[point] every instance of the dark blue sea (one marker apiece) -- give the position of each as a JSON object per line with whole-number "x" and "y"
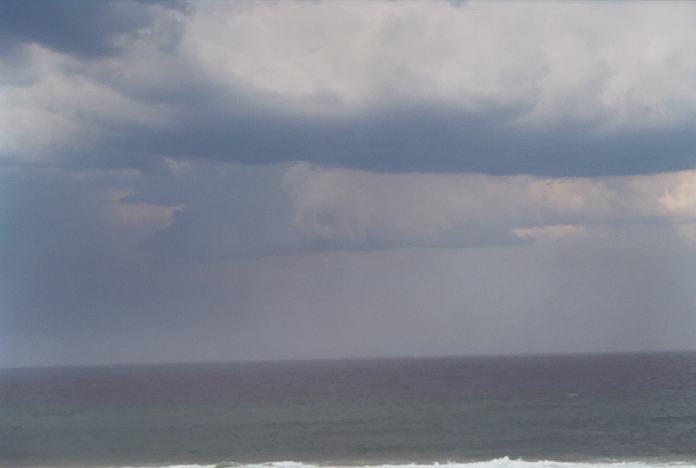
{"x": 636, "y": 410}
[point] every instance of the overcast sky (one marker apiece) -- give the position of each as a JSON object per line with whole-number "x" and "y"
{"x": 230, "y": 180}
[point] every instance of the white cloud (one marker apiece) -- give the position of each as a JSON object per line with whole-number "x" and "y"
{"x": 57, "y": 105}
{"x": 610, "y": 65}
{"x": 680, "y": 198}
{"x": 687, "y": 232}
{"x": 146, "y": 217}
{"x": 358, "y": 208}
{"x": 556, "y": 231}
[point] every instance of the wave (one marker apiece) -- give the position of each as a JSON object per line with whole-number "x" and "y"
{"x": 504, "y": 462}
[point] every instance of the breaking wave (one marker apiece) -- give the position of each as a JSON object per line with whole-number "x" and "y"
{"x": 504, "y": 462}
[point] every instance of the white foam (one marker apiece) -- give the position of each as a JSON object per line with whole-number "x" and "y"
{"x": 504, "y": 462}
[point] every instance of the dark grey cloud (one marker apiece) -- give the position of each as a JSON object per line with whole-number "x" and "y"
{"x": 229, "y": 212}
{"x": 631, "y": 290}
{"x": 390, "y": 139}
{"x": 58, "y": 254}
{"x": 438, "y": 140}
{"x": 85, "y": 277}
{"x": 80, "y": 27}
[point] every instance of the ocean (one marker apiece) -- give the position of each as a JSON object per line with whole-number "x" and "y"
{"x": 636, "y": 410}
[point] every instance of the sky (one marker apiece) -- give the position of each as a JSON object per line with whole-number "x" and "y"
{"x": 199, "y": 181}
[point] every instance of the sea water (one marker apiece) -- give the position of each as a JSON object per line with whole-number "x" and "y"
{"x": 637, "y": 410}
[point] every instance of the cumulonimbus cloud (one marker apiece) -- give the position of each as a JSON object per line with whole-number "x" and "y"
{"x": 564, "y": 89}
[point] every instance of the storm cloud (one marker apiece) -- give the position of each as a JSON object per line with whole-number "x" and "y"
{"x": 246, "y": 180}
{"x": 572, "y": 90}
